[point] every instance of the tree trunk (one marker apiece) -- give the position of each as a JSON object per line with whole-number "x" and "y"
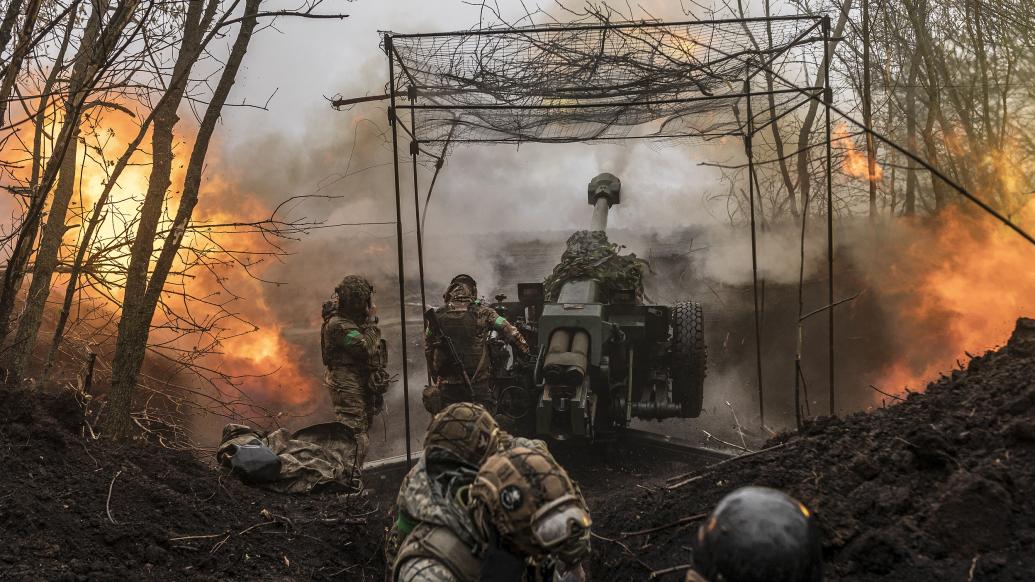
{"x": 14, "y": 272}
{"x": 911, "y": 167}
{"x": 785, "y": 171}
{"x": 97, "y": 44}
{"x": 173, "y": 95}
{"x": 10, "y": 18}
{"x": 871, "y": 145}
{"x": 46, "y": 261}
{"x": 135, "y": 324}
{"x": 27, "y": 231}
{"x": 18, "y": 54}
{"x": 805, "y": 133}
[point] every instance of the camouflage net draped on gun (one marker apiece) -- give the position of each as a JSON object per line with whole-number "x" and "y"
{"x": 590, "y": 255}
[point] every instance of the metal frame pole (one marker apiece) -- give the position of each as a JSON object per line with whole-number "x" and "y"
{"x": 414, "y": 150}
{"x": 748, "y": 136}
{"x": 393, "y": 120}
{"x": 828, "y": 97}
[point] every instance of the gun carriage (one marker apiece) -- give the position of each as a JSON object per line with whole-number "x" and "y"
{"x": 602, "y": 356}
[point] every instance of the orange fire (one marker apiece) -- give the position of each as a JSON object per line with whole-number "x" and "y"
{"x": 254, "y": 348}
{"x": 962, "y": 282}
{"x": 855, "y": 163}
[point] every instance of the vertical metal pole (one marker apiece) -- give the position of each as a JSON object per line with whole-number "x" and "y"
{"x": 414, "y": 150}
{"x": 829, "y": 99}
{"x": 748, "y": 135}
{"x": 392, "y": 120}
{"x": 871, "y": 146}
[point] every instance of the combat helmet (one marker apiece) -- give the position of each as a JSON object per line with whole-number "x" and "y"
{"x": 465, "y": 430}
{"x": 757, "y": 534}
{"x": 354, "y": 294}
{"x": 532, "y": 504}
{"x": 463, "y": 287}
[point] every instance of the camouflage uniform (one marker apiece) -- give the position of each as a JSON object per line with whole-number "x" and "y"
{"x": 355, "y": 359}
{"x": 468, "y": 323}
{"x": 461, "y": 551}
{"x": 459, "y": 438}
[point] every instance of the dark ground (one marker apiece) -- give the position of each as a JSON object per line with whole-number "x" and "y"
{"x": 940, "y": 487}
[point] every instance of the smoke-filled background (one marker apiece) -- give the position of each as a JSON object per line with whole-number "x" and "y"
{"x": 926, "y": 290}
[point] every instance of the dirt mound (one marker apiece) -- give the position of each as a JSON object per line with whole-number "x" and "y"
{"x": 938, "y": 487}
{"x": 77, "y": 509}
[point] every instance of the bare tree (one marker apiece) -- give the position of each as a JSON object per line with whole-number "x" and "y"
{"x": 99, "y": 43}
{"x": 138, "y": 310}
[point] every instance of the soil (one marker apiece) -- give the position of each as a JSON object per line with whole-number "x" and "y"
{"x": 938, "y": 487}
{"x": 78, "y": 509}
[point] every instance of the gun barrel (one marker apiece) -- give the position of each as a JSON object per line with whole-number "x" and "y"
{"x": 600, "y": 209}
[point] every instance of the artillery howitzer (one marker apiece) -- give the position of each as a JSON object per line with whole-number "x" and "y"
{"x": 602, "y": 356}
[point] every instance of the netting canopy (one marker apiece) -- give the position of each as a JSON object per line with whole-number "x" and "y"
{"x": 694, "y": 81}
{"x": 567, "y": 83}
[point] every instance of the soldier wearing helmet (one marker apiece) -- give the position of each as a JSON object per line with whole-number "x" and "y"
{"x": 354, "y": 353}
{"x": 757, "y": 534}
{"x": 525, "y": 520}
{"x": 467, "y": 323}
{"x": 458, "y": 441}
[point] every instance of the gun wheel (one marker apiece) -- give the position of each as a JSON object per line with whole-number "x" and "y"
{"x": 689, "y": 363}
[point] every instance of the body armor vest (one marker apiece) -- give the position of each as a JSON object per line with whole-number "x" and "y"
{"x": 461, "y": 325}
{"x": 442, "y": 545}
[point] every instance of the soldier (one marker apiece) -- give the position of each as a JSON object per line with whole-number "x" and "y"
{"x": 522, "y": 519}
{"x": 757, "y": 534}
{"x": 354, "y": 354}
{"x": 467, "y": 323}
{"x": 458, "y": 441}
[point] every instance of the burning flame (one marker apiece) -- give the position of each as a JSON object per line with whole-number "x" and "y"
{"x": 962, "y": 281}
{"x": 252, "y": 345}
{"x": 855, "y": 163}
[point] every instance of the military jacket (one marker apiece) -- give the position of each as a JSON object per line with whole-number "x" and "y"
{"x": 343, "y": 343}
{"x": 468, "y": 324}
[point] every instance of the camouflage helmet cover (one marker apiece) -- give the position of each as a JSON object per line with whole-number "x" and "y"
{"x": 354, "y": 295}
{"x": 533, "y": 504}
{"x": 463, "y": 287}
{"x": 466, "y": 430}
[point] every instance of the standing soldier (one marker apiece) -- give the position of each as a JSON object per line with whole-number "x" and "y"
{"x": 461, "y": 371}
{"x": 355, "y": 356}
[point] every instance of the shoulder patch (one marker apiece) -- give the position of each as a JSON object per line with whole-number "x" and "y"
{"x": 352, "y": 337}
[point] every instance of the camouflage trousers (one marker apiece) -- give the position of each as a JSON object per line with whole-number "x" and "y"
{"x": 453, "y": 393}
{"x": 352, "y": 406}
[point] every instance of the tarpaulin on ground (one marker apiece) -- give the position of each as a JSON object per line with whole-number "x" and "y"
{"x": 321, "y": 456}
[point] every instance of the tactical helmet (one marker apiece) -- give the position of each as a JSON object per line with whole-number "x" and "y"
{"x": 757, "y": 534}
{"x": 532, "y": 503}
{"x": 354, "y": 295}
{"x": 462, "y": 287}
{"x": 466, "y": 430}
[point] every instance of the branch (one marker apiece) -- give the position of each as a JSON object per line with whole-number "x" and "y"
{"x": 284, "y": 13}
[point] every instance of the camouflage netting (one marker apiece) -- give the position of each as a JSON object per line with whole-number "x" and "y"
{"x": 590, "y": 255}
{"x": 599, "y": 79}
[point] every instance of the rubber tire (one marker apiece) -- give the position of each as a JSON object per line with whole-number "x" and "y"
{"x": 689, "y": 363}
